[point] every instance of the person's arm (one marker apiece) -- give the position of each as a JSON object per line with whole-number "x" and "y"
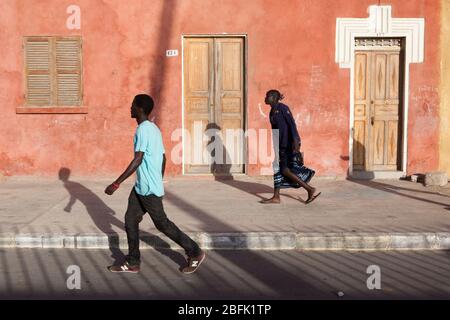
{"x": 132, "y": 167}
{"x": 293, "y": 129}
{"x": 72, "y": 201}
{"x": 163, "y": 165}
{"x": 283, "y": 134}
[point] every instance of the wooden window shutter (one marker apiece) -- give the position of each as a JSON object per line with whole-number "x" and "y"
{"x": 68, "y": 71}
{"x": 53, "y": 71}
{"x": 38, "y": 71}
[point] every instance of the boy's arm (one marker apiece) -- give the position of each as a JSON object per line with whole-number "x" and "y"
{"x": 132, "y": 167}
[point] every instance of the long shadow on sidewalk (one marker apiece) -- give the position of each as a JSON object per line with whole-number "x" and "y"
{"x": 360, "y": 149}
{"x": 103, "y": 217}
{"x": 395, "y": 190}
{"x": 222, "y": 171}
{"x": 257, "y": 261}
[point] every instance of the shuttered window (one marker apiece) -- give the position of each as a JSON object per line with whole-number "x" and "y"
{"x": 53, "y": 68}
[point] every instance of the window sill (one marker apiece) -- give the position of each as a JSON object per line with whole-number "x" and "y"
{"x": 52, "y": 109}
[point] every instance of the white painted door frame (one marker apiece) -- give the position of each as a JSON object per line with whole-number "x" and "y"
{"x": 183, "y": 139}
{"x": 380, "y": 24}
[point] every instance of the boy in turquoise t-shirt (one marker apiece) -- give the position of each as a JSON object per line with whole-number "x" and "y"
{"x": 149, "y": 175}
{"x": 146, "y": 196}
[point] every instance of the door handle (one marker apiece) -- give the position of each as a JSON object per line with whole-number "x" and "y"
{"x": 372, "y": 120}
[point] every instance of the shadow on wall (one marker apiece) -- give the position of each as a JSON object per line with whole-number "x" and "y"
{"x": 157, "y": 75}
{"x": 359, "y": 159}
{"x": 104, "y": 218}
{"x": 223, "y": 171}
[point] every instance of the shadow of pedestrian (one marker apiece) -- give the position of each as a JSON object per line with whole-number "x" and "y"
{"x": 104, "y": 218}
{"x": 223, "y": 166}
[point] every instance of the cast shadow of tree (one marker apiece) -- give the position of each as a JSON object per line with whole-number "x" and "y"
{"x": 104, "y": 218}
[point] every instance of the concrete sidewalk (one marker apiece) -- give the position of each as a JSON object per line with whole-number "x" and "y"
{"x": 226, "y": 214}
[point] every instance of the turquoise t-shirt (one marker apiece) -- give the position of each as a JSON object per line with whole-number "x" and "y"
{"x": 148, "y": 139}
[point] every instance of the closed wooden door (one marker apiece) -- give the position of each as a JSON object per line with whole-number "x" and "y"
{"x": 214, "y": 105}
{"x": 377, "y": 109}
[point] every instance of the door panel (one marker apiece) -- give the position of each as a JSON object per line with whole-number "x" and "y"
{"x": 384, "y": 109}
{"x": 358, "y": 145}
{"x": 214, "y": 96}
{"x": 394, "y": 75}
{"x": 378, "y": 142}
{"x": 229, "y": 97}
{"x": 392, "y": 143}
{"x": 198, "y": 59}
{"x": 199, "y": 160}
{"x": 360, "y": 76}
{"x": 199, "y": 82}
{"x": 362, "y": 105}
{"x": 379, "y": 73}
{"x": 376, "y": 111}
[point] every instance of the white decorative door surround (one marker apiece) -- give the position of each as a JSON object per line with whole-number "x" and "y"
{"x": 380, "y": 24}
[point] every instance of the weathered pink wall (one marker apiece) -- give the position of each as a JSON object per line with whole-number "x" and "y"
{"x": 290, "y": 47}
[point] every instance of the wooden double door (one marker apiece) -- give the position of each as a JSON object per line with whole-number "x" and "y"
{"x": 378, "y": 105}
{"x": 214, "y": 105}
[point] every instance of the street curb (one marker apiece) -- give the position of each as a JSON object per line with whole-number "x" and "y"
{"x": 240, "y": 240}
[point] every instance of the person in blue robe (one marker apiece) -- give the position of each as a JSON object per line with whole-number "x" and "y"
{"x": 289, "y": 170}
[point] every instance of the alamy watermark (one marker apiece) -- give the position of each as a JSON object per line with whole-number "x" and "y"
{"x": 374, "y": 280}
{"x": 210, "y": 145}
{"x": 73, "y": 22}
{"x": 73, "y": 282}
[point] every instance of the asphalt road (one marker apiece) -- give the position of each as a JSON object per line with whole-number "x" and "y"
{"x": 45, "y": 274}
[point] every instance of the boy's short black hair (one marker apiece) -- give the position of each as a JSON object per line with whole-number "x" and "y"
{"x": 145, "y": 102}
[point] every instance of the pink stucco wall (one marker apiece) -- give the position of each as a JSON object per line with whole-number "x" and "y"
{"x": 291, "y": 46}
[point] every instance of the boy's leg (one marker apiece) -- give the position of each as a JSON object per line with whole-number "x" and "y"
{"x": 133, "y": 217}
{"x": 154, "y": 206}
